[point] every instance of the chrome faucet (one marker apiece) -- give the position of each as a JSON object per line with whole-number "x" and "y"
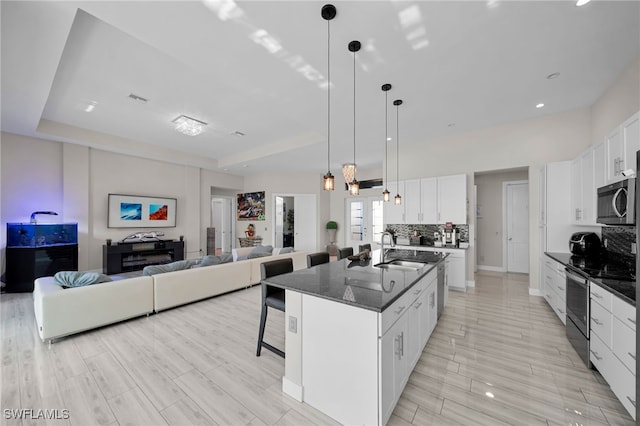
{"x": 391, "y": 243}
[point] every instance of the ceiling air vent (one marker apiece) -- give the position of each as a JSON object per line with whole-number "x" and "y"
{"x": 138, "y": 98}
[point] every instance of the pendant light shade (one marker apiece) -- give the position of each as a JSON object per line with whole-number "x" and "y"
{"x": 328, "y": 12}
{"x": 354, "y": 185}
{"x": 386, "y": 195}
{"x": 397, "y": 103}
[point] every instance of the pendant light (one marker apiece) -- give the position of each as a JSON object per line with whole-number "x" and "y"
{"x": 328, "y": 13}
{"x": 354, "y": 186}
{"x": 397, "y": 103}
{"x": 386, "y": 194}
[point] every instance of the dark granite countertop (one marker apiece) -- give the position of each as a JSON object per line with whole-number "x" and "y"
{"x": 359, "y": 283}
{"x": 625, "y": 290}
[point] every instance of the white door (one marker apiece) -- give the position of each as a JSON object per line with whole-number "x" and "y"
{"x": 517, "y": 224}
{"x": 221, "y": 213}
{"x": 278, "y": 227}
{"x": 305, "y": 223}
{"x": 365, "y": 221}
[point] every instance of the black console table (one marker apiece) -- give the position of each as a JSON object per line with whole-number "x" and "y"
{"x": 25, "y": 264}
{"x": 127, "y": 257}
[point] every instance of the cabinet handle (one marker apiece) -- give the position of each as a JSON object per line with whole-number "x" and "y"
{"x": 632, "y": 321}
{"x": 560, "y": 288}
{"x": 399, "y": 310}
{"x": 397, "y": 350}
{"x": 596, "y": 320}
{"x": 595, "y": 354}
{"x": 549, "y": 296}
{"x": 418, "y": 305}
{"x": 633, "y": 401}
{"x": 596, "y": 295}
{"x": 632, "y": 355}
{"x": 402, "y": 344}
{"x": 416, "y": 292}
{"x": 433, "y": 300}
{"x": 561, "y": 311}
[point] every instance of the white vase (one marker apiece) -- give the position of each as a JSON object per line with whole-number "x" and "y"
{"x": 332, "y": 235}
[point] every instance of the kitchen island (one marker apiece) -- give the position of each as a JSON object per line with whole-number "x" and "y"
{"x": 355, "y": 331}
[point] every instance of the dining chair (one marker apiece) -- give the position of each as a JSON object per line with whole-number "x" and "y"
{"x": 345, "y": 252}
{"x": 319, "y": 258}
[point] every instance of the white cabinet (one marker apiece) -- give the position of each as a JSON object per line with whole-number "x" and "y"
{"x": 613, "y": 343}
{"x": 599, "y": 169}
{"x": 554, "y": 287}
{"x": 456, "y": 275}
{"x": 576, "y": 191}
{"x": 583, "y": 186}
{"x": 621, "y": 146}
{"x": 429, "y": 200}
{"x": 393, "y": 365}
{"x": 452, "y": 199}
{"x": 394, "y": 213}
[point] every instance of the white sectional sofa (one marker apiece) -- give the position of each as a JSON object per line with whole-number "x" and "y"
{"x": 60, "y": 312}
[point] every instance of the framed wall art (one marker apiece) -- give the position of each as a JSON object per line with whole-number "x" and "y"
{"x": 138, "y": 211}
{"x": 251, "y": 206}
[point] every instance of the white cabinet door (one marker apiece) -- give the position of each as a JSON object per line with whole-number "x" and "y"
{"x": 615, "y": 154}
{"x": 587, "y": 179}
{"x": 394, "y": 365}
{"x": 576, "y": 192}
{"x": 418, "y": 318}
{"x": 394, "y": 213}
{"x": 630, "y": 130}
{"x": 429, "y": 199}
{"x": 456, "y": 272}
{"x": 542, "y": 218}
{"x": 452, "y": 199}
{"x": 599, "y": 168}
{"x": 412, "y": 201}
{"x": 431, "y": 297}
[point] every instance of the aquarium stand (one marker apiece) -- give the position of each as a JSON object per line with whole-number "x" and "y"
{"x": 127, "y": 257}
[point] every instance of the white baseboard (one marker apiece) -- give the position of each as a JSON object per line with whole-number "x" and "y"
{"x": 471, "y": 283}
{"x": 535, "y": 292}
{"x": 294, "y": 390}
{"x": 491, "y": 268}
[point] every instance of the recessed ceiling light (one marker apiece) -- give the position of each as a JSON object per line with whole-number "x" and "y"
{"x": 489, "y": 394}
{"x": 553, "y": 75}
{"x": 245, "y": 165}
{"x": 189, "y": 126}
{"x": 90, "y": 106}
{"x": 540, "y": 105}
{"x": 582, "y": 2}
{"x": 388, "y": 139}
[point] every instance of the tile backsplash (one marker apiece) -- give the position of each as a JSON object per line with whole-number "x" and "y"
{"x": 405, "y": 231}
{"x": 618, "y": 242}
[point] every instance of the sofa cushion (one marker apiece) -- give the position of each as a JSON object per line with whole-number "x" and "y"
{"x": 257, "y": 255}
{"x": 79, "y": 279}
{"x": 168, "y": 267}
{"x": 261, "y": 249}
{"x": 216, "y": 260}
{"x": 286, "y": 250}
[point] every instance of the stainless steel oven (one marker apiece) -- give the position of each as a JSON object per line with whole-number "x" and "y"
{"x": 577, "y": 327}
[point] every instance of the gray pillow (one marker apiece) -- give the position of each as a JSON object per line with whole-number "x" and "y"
{"x": 169, "y": 267}
{"x": 79, "y": 279}
{"x": 286, "y": 250}
{"x": 216, "y": 260}
{"x": 261, "y": 249}
{"x": 253, "y": 255}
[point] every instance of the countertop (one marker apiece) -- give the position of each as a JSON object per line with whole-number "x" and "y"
{"x": 359, "y": 283}
{"x": 625, "y": 290}
{"x": 428, "y": 246}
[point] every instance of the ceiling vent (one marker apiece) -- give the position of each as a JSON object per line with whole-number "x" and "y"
{"x": 138, "y": 98}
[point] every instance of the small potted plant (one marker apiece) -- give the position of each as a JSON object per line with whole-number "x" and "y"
{"x": 332, "y": 228}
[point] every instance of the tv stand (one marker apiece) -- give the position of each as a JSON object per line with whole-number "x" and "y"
{"x": 127, "y": 257}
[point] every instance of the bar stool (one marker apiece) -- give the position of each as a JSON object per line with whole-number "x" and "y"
{"x": 272, "y": 297}
{"x": 319, "y": 258}
{"x": 345, "y": 252}
{"x": 364, "y": 247}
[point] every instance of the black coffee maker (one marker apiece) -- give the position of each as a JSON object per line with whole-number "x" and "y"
{"x": 585, "y": 244}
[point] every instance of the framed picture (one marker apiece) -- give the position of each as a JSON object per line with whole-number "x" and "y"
{"x": 251, "y": 206}
{"x": 138, "y": 211}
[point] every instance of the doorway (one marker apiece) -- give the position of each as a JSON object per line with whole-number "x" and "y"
{"x": 365, "y": 222}
{"x": 221, "y": 214}
{"x": 516, "y": 224}
{"x": 294, "y": 221}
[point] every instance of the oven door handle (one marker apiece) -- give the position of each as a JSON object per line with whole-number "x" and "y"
{"x": 615, "y": 199}
{"x": 575, "y": 277}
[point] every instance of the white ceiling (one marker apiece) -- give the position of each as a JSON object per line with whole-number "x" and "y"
{"x": 260, "y": 67}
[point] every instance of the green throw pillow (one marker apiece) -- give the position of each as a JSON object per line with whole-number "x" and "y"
{"x": 79, "y": 279}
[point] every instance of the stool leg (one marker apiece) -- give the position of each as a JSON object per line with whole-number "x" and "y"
{"x": 263, "y": 321}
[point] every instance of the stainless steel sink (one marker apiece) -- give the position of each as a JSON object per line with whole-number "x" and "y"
{"x": 402, "y": 265}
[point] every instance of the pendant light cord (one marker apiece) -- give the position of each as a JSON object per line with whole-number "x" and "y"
{"x": 386, "y": 139}
{"x": 329, "y": 96}
{"x": 354, "y": 111}
{"x": 398, "y": 148}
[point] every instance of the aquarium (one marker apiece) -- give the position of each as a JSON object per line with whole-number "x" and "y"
{"x": 41, "y": 234}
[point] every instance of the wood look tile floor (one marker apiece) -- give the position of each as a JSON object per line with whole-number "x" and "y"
{"x": 498, "y": 356}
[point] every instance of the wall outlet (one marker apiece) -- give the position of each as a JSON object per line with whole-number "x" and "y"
{"x": 634, "y": 249}
{"x": 293, "y": 324}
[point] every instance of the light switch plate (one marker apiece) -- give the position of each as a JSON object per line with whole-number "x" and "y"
{"x": 293, "y": 324}
{"x": 634, "y": 248}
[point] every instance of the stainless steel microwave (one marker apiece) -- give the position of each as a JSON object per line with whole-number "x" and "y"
{"x": 616, "y": 203}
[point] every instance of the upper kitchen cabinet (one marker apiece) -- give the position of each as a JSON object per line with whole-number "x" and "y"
{"x": 394, "y": 213}
{"x": 621, "y": 146}
{"x": 412, "y": 201}
{"x": 452, "y": 199}
{"x": 585, "y": 170}
{"x": 421, "y": 204}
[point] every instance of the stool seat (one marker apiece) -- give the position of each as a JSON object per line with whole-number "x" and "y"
{"x": 272, "y": 297}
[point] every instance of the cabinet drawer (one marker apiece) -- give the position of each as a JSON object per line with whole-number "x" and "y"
{"x": 601, "y": 356}
{"x": 623, "y": 384}
{"x": 549, "y": 276}
{"x": 389, "y": 316}
{"x": 560, "y": 285}
{"x": 600, "y": 323}
{"x": 626, "y": 312}
{"x": 600, "y": 295}
{"x": 624, "y": 344}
